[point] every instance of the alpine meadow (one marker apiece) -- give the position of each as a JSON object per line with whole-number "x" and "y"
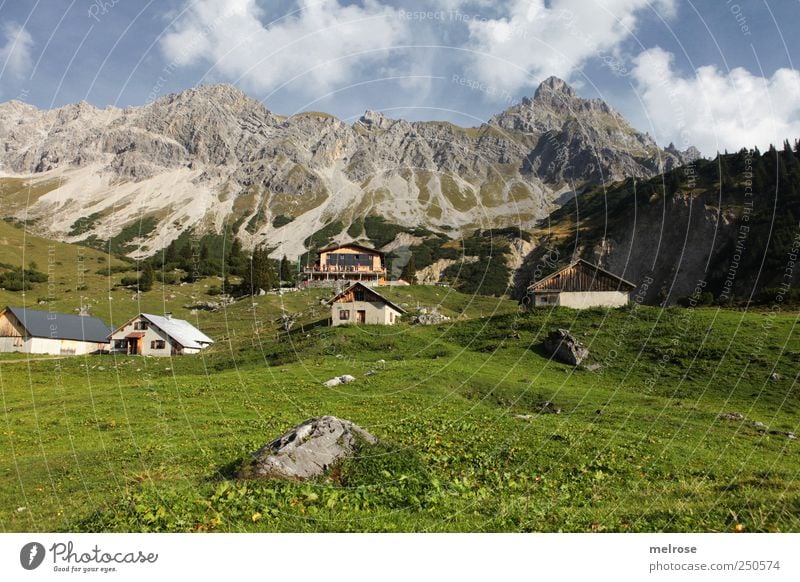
{"x": 422, "y": 268}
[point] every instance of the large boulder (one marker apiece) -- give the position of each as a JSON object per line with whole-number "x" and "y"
{"x": 308, "y": 450}
{"x": 562, "y": 346}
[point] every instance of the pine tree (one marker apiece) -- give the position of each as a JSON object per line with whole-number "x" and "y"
{"x": 673, "y": 183}
{"x": 146, "y": 277}
{"x": 260, "y": 275}
{"x": 410, "y": 271}
{"x": 236, "y": 259}
{"x": 286, "y": 270}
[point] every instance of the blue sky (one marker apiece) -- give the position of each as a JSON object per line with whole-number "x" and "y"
{"x": 717, "y": 74}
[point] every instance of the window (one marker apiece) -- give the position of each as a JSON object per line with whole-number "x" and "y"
{"x": 359, "y": 294}
{"x": 349, "y": 261}
{"x": 344, "y": 314}
{"x": 119, "y": 344}
{"x": 157, "y": 345}
{"x": 141, "y": 325}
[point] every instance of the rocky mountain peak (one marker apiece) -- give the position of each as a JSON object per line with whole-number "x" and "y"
{"x": 375, "y": 119}
{"x": 553, "y": 86}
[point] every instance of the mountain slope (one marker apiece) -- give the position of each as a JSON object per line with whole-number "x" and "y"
{"x": 725, "y": 227}
{"x": 212, "y": 156}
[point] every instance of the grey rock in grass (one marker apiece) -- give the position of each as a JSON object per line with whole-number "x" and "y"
{"x": 562, "y": 346}
{"x": 308, "y": 450}
{"x": 548, "y": 407}
{"x": 432, "y": 317}
{"x": 731, "y": 416}
{"x": 346, "y": 379}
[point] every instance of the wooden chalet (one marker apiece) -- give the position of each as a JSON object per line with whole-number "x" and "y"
{"x": 580, "y": 285}
{"x": 347, "y": 262}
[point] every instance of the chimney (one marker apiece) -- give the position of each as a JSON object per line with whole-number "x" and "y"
{"x": 168, "y": 315}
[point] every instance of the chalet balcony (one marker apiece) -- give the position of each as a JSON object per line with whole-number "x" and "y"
{"x": 343, "y": 270}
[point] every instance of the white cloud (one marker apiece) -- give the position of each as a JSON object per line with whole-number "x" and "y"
{"x": 715, "y": 110}
{"x": 15, "y": 54}
{"x": 322, "y": 44}
{"x": 535, "y": 40}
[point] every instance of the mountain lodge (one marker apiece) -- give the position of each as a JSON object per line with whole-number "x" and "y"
{"x": 347, "y": 262}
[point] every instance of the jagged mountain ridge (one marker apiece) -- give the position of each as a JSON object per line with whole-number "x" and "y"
{"x": 212, "y": 156}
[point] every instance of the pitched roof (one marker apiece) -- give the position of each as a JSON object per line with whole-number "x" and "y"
{"x": 369, "y": 290}
{"x": 180, "y": 330}
{"x": 582, "y": 275}
{"x": 354, "y": 245}
{"x": 52, "y": 325}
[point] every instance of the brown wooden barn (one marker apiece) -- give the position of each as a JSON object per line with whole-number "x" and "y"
{"x": 580, "y": 285}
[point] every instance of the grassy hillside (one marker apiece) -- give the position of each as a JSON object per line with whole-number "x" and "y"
{"x": 142, "y": 444}
{"x": 102, "y": 443}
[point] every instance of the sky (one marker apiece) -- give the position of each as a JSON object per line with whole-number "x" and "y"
{"x": 715, "y": 74}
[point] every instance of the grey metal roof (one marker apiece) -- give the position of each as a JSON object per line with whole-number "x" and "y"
{"x": 55, "y": 325}
{"x": 180, "y": 330}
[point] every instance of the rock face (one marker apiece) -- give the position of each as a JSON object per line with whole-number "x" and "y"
{"x": 308, "y": 450}
{"x": 562, "y": 346}
{"x": 212, "y": 156}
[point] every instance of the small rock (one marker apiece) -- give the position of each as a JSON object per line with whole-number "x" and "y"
{"x": 548, "y": 407}
{"x": 775, "y": 377}
{"x": 731, "y": 416}
{"x": 370, "y": 373}
{"x": 21, "y": 509}
{"x": 789, "y": 435}
{"x": 346, "y": 379}
{"x": 594, "y": 367}
{"x": 307, "y": 450}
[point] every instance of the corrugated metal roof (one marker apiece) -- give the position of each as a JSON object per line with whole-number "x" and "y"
{"x": 54, "y": 325}
{"x": 180, "y": 330}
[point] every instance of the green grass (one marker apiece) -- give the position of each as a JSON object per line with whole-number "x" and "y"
{"x": 142, "y": 444}
{"x": 17, "y": 194}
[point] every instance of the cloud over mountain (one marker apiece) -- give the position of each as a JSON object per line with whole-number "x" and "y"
{"x": 717, "y": 110}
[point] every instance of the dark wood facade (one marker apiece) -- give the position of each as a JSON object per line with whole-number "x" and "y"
{"x": 581, "y": 276}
